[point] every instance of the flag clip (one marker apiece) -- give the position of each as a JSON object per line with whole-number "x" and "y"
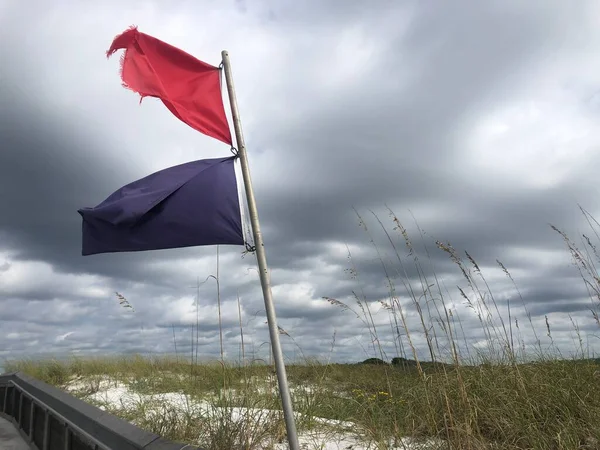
{"x": 249, "y": 249}
{"x": 235, "y": 152}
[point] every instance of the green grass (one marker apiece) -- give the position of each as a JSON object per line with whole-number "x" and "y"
{"x": 546, "y": 405}
{"x": 507, "y": 395}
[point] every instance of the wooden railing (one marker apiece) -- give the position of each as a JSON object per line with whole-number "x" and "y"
{"x": 51, "y": 419}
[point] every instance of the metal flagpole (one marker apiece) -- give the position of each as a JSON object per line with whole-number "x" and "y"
{"x": 286, "y": 399}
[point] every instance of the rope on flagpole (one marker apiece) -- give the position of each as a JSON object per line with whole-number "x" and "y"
{"x": 250, "y": 248}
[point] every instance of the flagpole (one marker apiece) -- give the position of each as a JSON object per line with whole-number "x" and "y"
{"x": 284, "y": 390}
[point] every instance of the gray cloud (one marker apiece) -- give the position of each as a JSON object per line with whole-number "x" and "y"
{"x": 478, "y": 120}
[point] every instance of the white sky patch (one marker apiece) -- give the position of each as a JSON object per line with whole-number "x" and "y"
{"x": 534, "y": 144}
{"x": 62, "y": 337}
{"x": 296, "y": 293}
{"x": 338, "y": 250}
{"x": 4, "y": 266}
{"x": 24, "y": 277}
{"x": 544, "y": 130}
{"x": 201, "y": 265}
{"x": 538, "y": 259}
{"x": 355, "y": 49}
{"x": 183, "y": 310}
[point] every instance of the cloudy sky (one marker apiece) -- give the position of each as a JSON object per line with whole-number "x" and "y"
{"x": 475, "y": 120}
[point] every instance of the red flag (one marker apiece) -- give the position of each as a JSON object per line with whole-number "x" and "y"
{"x": 190, "y": 88}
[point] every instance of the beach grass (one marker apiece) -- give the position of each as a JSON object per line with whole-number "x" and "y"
{"x": 443, "y": 392}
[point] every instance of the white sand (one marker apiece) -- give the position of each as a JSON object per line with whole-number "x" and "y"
{"x": 331, "y": 435}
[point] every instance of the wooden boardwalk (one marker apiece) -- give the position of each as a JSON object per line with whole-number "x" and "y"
{"x": 10, "y": 439}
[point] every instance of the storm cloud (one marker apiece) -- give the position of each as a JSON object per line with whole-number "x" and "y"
{"x": 475, "y": 123}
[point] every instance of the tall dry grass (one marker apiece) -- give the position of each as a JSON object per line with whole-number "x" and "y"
{"x": 507, "y": 392}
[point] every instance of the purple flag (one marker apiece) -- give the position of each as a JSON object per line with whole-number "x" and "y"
{"x": 191, "y": 204}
